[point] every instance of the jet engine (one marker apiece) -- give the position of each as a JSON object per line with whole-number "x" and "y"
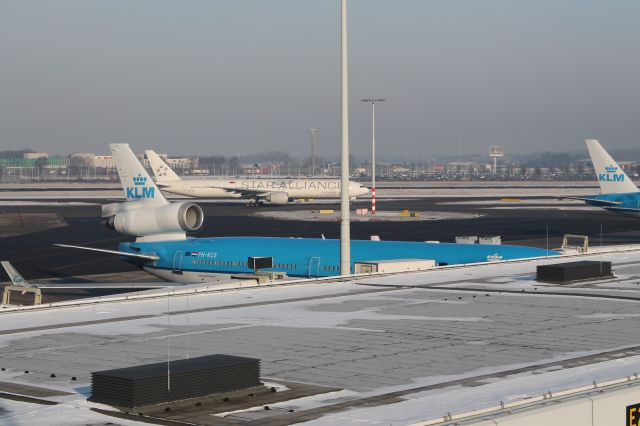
{"x": 152, "y": 220}
{"x": 278, "y": 198}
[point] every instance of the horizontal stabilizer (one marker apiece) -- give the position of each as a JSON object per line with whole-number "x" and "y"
{"x": 116, "y": 252}
{"x": 595, "y": 201}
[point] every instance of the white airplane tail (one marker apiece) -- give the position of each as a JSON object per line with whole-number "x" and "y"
{"x": 14, "y": 275}
{"x": 161, "y": 170}
{"x": 612, "y": 179}
{"x": 136, "y": 183}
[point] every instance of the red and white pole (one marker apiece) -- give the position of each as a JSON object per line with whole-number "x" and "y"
{"x": 373, "y": 156}
{"x": 373, "y": 101}
{"x": 373, "y": 201}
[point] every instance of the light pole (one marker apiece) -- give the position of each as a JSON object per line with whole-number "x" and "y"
{"x": 313, "y": 135}
{"x": 373, "y": 101}
{"x": 345, "y": 228}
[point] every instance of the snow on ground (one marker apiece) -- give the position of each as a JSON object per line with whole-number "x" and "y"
{"x": 371, "y": 335}
{"x": 437, "y": 403}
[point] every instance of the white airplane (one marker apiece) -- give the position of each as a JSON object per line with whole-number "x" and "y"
{"x": 275, "y": 191}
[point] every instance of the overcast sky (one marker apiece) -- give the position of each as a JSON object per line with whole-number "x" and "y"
{"x": 239, "y": 76}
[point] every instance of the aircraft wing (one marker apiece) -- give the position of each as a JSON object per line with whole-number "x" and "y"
{"x": 105, "y": 286}
{"x": 246, "y": 192}
{"x": 14, "y": 275}
{"x": 596, "y": 201}
{"x": 116, "y": 252}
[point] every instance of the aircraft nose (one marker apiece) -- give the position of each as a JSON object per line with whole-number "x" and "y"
{"x": 356, "y": 190}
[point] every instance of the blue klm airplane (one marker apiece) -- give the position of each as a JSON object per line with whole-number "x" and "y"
{"x": 618, "y": 193}
{"x": 163, "y": 249}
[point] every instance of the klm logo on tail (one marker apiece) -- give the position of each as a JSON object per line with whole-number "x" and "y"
{"x": 611, "y": 175}
{"x": 139, "y": 190}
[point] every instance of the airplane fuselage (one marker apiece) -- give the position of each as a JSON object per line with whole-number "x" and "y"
{"x": 200, "y": 259}
{"x": 294, "y": 188}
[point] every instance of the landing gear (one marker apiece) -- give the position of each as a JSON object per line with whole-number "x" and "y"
{"x": 255, "y": 202}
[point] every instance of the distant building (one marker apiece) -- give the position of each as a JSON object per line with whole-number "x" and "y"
{"x": 400, "y": 169}
{"x": 179, "y": 163}
{"x": 104, "y": 161}
{"x": 34, "y": 155}
{"x": 250, "y": 169}
{"x": 626, "y": 165}
{"x": 89, "y": 157}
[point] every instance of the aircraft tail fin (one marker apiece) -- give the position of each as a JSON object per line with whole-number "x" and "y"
{"x": 612, "y": 179}
{"x": 161, "y": 170}
{"x": 136, "y": 183}
{"x": 15, "y": 277}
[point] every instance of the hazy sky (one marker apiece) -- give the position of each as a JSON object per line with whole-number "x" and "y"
{"x": 238, "y": 76}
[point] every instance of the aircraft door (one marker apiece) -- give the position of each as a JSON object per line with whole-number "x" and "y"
{"x": 314, "y": 266}
{"x": 177, "y": 262}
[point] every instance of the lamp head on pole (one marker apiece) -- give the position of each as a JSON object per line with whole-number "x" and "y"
{"x": 373, "y": 100}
